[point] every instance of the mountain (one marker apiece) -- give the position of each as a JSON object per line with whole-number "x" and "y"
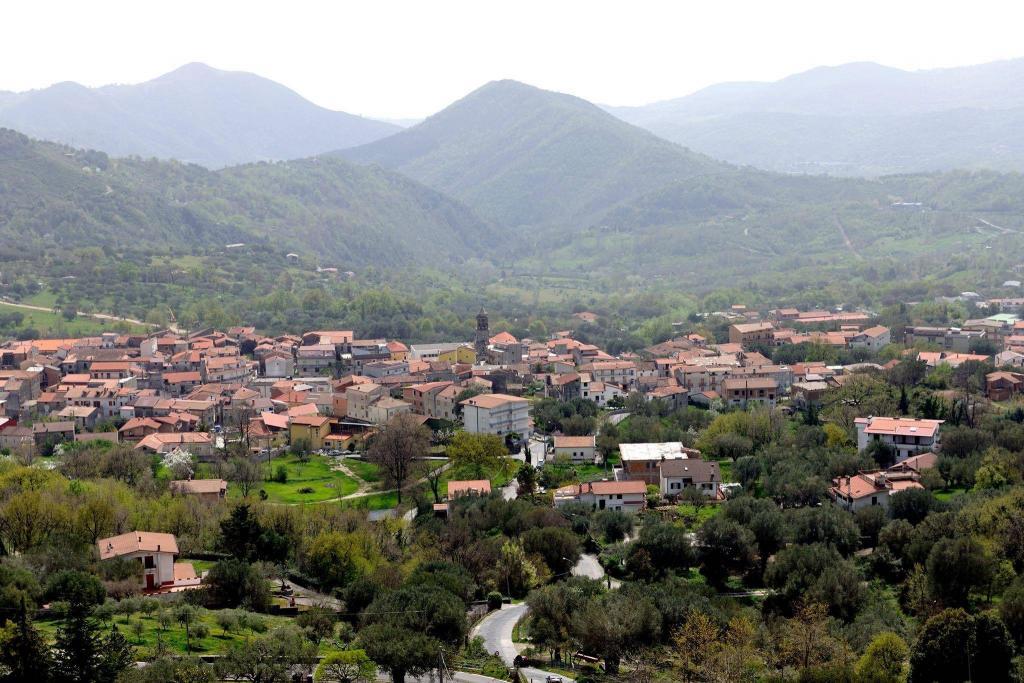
{"x": 854, "y": 119}
{"x": 524, "y": 156}
{"x": 55, "y": 198}
{"x": 585, "y": 197}
{"x": 195, "y": 114}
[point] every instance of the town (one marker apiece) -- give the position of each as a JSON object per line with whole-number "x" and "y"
{"x": 796, "y": 450}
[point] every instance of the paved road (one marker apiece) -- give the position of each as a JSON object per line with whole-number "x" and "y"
{"x": 589, "y": 566}
{"x": 496, "y": 630}
{"x": 97, "y": 316}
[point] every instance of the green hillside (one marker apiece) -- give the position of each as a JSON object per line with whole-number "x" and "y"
{"x": 525, "y": 156}
{"x": 54, "y": 198}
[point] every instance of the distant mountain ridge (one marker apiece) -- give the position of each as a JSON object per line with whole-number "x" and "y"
{"x": 854, "y": 119}
{"x": 195, "y": 114}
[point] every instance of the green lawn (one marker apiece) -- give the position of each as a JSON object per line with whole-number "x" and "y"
{"x": 377, "y": 501}
{"x": 174, "y": 636}
{"x": 315, "y": 474}
{"x": 366, "y": 471}
{"x": 693, "y": 517}
{"x": 52, "y": 324}
{"x": 949, "y": 494}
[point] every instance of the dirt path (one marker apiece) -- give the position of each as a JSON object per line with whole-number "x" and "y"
{"x": 846, "y": 238}
{"x": 364, "y": 486}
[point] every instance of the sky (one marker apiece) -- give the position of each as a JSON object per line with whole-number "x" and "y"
{"x": 399, "y": 58}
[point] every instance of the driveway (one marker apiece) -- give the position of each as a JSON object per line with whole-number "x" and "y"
{"x": 496, "y": 630}
{"x": 589, "y": 566}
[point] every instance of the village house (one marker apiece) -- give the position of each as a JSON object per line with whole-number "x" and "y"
{"x": 642, "y": 461}
{"x": 53, "y": 433}
{"x": 742, "y": 392}
{"x": 206, "y": 490}
{"x": 678, "y": 475}
{"x": 873, "y": 338}
{"x": 1002, "y": 385}
{"x": 498, "y": 414}
{"x": 278, "y": 364}
{"x": 577, "y": 449}
{"x": 310, "y": 429}
{"x": 436, "y": 400}
{"x": 155, "y": 553}
{"x": 905, "y": 435}
{"x": 198, "y": 444}
{"x": 749, "y": 334}
{"x": 867, "y": 489}
{"x": 626, "y": 496}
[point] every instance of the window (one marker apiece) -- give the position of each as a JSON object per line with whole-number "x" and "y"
{"x": 149, "y": 563}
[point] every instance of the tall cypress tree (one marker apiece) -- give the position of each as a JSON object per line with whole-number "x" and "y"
{"x": 24, "y": 652}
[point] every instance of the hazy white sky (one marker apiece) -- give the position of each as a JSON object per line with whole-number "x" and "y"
{"x": 398, "y": 58}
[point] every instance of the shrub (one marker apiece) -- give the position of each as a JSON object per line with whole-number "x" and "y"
{"x": 494, "y": 600}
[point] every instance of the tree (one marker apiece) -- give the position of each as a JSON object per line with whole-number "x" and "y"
{"x": 187, "y": 615}
{"x": 406, "y": 629}
{"x": 885, "y": 660}
{"x": 399, "y": 650}
{"x": 271, "y": 658}
{"x": 236, "y": 583}
{"x": 177, "y": 669}
{"x": 667, "y": 546}
{"x": 243, "y": 537}
{"x": 558, "y": 547}
{"x": 24, "y": 655}
{"x": 347, "y": 666}
{"x": 827, "y": 524}
{"x": 399, "y": 444}
{"x": 317, "y": 623}
{"x": 82, "y": 654}
{"x": 955, "y": 566}
{"x": 246, "y": 474}
{"x": 526, "y": 478}
{"x": 553, "y": 608}
{"x": 954, "y": 646}
{"x": 817, "y": 573}
{"x": 725, "y": 548}
{"x": 805, "y": 641}
{"x": 912, "y": 505}
{"x": 477, "y": 454}
{"x": 695, "y": 641}
{"x": 613, "y": 624}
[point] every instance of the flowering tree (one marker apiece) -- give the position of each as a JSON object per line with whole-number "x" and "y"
{"x": 180, "y": 463}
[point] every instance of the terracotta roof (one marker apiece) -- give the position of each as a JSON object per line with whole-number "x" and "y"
{"x": 492, "y": 400}
{"x": 199, "y": 485}
{"x": 136, "y": 541}
{"x": 899, "y": 426}
{"x": 574, "y": 441}
{"x": 458, "y": 488}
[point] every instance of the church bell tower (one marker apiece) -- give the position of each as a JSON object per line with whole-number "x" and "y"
{"x": 483, "y": 335}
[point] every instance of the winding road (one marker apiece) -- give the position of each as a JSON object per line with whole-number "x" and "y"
{"x": 496, "y": 630}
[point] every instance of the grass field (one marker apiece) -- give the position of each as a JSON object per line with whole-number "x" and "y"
{"x": 52, "y": 324}
{"x": 316, "y": 475}
{"x": 173, "y": 637}
{"x": 366, "y": 471}
{"x": 376, "y": 501}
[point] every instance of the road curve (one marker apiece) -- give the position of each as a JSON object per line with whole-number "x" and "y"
{"x": 496, "y": 630}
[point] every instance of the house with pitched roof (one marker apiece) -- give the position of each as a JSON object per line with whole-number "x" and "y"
{"x": 155, "y": 553}
{"x": 627, "y": 496}
{"x": 906, "y": 435}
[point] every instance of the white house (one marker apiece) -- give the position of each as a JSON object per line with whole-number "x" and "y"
{"x": 868, "y": 489}
{"x": 627, "y": 496}
{"x": 575, "y": 448}
{"x": 278, "y": 364}
{"x": 907, "y": 435}
{"x": 155, "y": 553}
{"x": 499, "y": 414}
